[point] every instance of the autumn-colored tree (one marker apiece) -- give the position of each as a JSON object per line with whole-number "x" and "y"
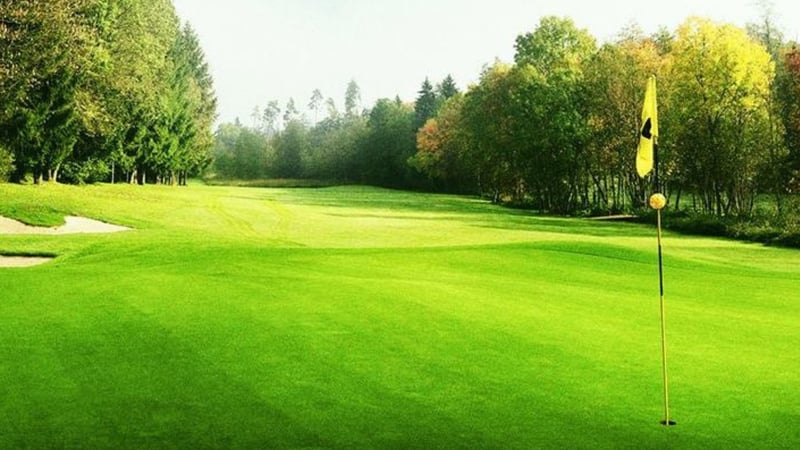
{"x": 442, "y": 149}
{"x": 721, "y": 81}
{"x": 430, "y": 150}
{"x": 790, "y": 114}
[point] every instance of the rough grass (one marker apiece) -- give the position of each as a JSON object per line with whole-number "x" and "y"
{"x": 364, "y": 318}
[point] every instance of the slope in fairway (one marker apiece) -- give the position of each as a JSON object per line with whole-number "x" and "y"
{"x": 365, "y": 318}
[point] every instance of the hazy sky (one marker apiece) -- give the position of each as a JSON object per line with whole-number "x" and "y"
{"x": 261, "y": 50}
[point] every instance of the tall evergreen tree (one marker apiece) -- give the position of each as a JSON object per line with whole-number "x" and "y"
{"x": 446, "y": 89}
{"x": 192, "y": 106}
{"x": 88, "y": 83}
{"x": 425, "y": 106}
{"x": 48, "y": 60}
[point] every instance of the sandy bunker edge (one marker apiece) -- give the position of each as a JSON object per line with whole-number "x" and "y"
{"x": 72, "y": 225}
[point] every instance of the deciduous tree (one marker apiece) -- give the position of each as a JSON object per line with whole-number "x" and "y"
{"x": 352, "y": 99}
{"x": 315, "y": 103}
{"x": 721, "y": 81}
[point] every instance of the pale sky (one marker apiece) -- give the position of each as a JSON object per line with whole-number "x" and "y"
{"x": 262, "y": 50}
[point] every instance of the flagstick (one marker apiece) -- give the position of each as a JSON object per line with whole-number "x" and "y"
{"x": 666, "y": 421}
{"x": 657, "y": 188}
{"x": 647, "y": 160}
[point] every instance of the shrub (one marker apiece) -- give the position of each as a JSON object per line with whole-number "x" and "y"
{"x": 6, "y": 164}
{"x": 788, "y": 239}
{"x": 91, "y": 171}
{"x": 764, "y": 225}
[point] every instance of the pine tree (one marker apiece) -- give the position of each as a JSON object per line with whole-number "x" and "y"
{"x": 446, "y": 89}
{"x": 425, "y": 106}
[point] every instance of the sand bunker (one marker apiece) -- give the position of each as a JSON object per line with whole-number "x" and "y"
{"x": 72, "y": 225}
{"x": 23, "y": 261}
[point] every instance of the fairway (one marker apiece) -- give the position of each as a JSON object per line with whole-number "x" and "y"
{"x": 356, "y": 317}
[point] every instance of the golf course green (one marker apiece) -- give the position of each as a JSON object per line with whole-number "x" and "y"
{"x": 356, "y": 317}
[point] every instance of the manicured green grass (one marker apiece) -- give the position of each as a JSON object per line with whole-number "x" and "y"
{"x": 364, "y": 318}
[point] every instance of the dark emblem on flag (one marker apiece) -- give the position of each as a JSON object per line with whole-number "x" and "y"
{"x": 647, "y": 131}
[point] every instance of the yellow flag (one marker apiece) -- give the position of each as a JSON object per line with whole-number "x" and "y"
{"x": 648, "y": 134}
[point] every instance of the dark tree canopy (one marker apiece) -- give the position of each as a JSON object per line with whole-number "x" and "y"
{"x": 93, "y": 87}
{"x": 425, "y": 106}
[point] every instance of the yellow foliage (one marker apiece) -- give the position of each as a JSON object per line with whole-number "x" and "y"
{"x": 722, "y": 66}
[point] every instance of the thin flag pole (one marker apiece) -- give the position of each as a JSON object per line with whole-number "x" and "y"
{"x": 646, "y": 161}
{"x": 666, "y": 421}
{"x": 658, "y": 206}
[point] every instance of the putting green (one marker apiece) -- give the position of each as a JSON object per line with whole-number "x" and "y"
{"x": 356, "y": 317}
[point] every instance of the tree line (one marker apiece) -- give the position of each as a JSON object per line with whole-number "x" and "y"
{"x": 557, "y": 129}
{"x": 102, "y": 90}
{"x": 353, "y": 145}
